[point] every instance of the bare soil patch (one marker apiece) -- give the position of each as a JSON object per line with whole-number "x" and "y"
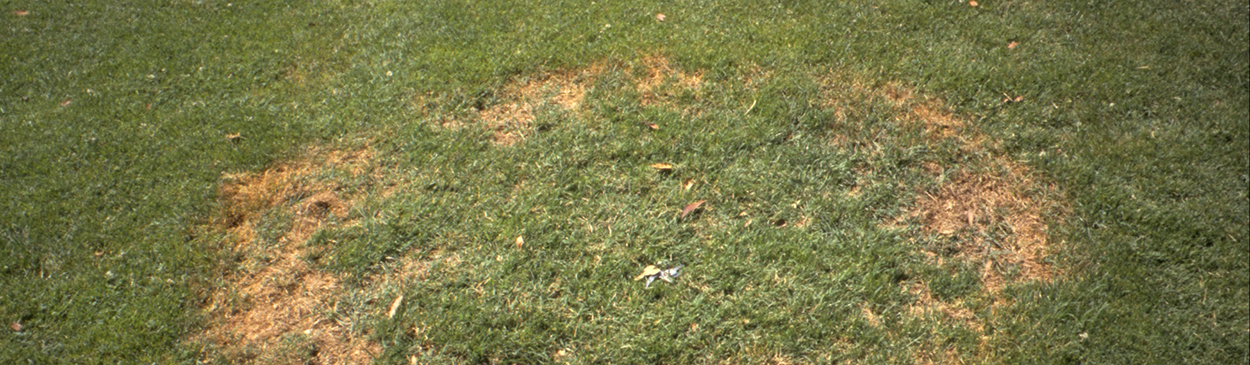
{"x": 275, "y": 307}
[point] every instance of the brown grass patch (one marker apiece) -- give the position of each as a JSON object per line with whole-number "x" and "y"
{"x": 755, "y": 77}
{"x": 513, "y": 116}
{"x": 989, "y": 214}
{"x": 996, "y": 217}
{"x": 929, "y": 356}
{"x": 416, "y": 267}
{"x": 872, "y": 318}
{"x": 951, "y": 312}
{"x": 995, "y": 220}
{"x": 926, "y": 305}
{"x": 521, "y": 99}
{"x": 844, "y": 96}
{"x": 660, "y": 81}
{"x": 273, "y": 309}
{"x": 996, "y": 223}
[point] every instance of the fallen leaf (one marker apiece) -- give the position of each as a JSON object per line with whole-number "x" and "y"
{"x": 21, "y": 12}
{"x": 653, "y": 126}
{"x": 66, "y": 102}
{"x": 972, "y": 3}
{"x": 17, "y": 327}
{"x": 99, "y": 253}
{"x": 662, "y": 166}
{"x": 694, "y": 326}
{"x": 395, "y": 306}
{"x": 687, "y": 184}
{"x": 520, "y": 241}
{"x": 1012, "y": 45}
{"x": 691, "y": 207}
{"x": 650, "y": 270}
{"x": 660, "y": 17}
{"x": 1019, "y": 99}
{"x": 412, "y": 359}
{"x": 233, "y": 136}
{"x": 149, "y": 105}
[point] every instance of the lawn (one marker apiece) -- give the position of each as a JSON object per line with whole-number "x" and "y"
{"x": 482, "y": 182}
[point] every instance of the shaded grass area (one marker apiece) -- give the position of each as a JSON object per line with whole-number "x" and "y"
{"x": 1136, "y": 109}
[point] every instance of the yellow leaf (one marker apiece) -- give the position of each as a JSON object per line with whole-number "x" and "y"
{"x": 395, "y": 306}
{"x": 662, "y": 166}
{"x": 520, "y": 241}
{"x": 648, "y": 271}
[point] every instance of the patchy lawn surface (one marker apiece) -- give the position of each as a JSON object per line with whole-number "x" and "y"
{"x": 481, "y": 182}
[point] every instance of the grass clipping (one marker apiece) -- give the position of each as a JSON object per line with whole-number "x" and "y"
{"x": 274, "y": 307}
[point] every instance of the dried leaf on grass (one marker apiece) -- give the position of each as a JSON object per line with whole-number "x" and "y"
{"x": 21, "y": 12}
{"x": 395, "y": 306}
{"x": 662, "y": 166}
{"x": 660, "y": 17}
{"x": 647, "y": 271}
{"x": 691, "y": 207}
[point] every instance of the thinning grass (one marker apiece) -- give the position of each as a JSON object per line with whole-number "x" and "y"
{"x": 901, "y": 182}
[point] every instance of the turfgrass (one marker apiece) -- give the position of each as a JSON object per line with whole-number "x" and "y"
{"x": 817, "y": 133}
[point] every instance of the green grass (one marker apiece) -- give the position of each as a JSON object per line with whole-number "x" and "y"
{"x": 1136, "y": 110}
